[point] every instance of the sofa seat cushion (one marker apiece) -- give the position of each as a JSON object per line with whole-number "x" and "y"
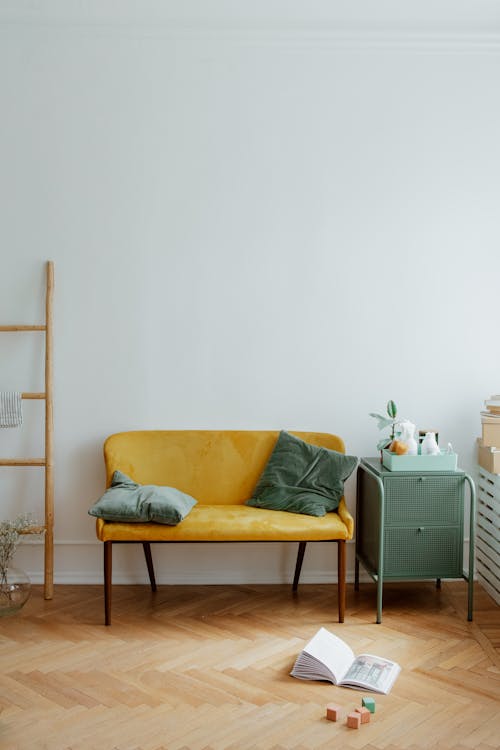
{"x": 232, "y": 523}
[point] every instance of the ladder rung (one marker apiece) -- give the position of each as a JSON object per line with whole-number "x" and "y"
{"x": 23, "y": 328}
{"x": 33, "y": 395}
{"x": 22, "y": 462}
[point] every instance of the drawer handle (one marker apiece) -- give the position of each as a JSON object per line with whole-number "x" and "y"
{"x": 420, "y": 529}
{"x": 421, "y": 479}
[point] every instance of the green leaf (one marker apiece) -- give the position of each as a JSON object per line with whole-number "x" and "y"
{"x": 384, "y": 443}
{"x": 392, "y": 409}
{"x": 382, "y": 422}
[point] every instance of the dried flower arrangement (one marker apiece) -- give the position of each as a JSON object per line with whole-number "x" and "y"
{"x": 10, "y": 533}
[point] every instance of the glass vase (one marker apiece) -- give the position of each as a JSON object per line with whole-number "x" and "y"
{"x": 15, "y": 589}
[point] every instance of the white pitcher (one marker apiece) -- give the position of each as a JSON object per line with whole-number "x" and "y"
{"x": 407, "y": 435}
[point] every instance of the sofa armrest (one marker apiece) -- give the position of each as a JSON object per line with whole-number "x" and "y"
{"x": 346, "y": 517}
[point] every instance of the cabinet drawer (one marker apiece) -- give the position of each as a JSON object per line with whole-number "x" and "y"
{"x": 424, "y": 500}
{"x": 423, "y": 552}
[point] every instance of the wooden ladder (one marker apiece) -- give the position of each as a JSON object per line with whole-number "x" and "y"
{"x": 48, "y": 460}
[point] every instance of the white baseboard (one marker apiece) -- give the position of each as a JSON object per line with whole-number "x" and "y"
{"x": 81, "y": 562}
{"x": 208, "y": 577}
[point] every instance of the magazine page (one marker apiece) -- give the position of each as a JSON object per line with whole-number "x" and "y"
{"x": 372, "y": 673}
{"x": 308, "y": 668}
{"x": 332, "y": 652}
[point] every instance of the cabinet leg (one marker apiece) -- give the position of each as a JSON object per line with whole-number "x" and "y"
{"x": 472, "y": 521}
{"x": 470, "y": 596}
{"x": 438, "y": 583}
{"x": 379, "y": 599}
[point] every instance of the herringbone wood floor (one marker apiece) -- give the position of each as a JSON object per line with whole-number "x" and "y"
{"x": 207, "y": 668}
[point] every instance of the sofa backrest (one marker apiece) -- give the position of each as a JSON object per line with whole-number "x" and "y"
{"x": 217, "y": 467}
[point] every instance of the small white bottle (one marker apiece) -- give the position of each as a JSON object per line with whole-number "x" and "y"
{"x": 429, "y": 445}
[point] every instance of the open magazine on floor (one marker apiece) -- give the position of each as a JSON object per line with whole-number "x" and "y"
{"x": 327, "y": 657}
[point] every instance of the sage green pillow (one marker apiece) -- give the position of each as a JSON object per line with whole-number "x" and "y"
{"x": 302, "y": 478}
{"x": 127, "y": 501}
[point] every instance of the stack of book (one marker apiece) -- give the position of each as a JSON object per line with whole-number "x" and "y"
{"x": 489, "y": 444}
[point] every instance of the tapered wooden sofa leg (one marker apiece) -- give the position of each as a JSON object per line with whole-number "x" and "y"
{"x": 149, "y": 562}
{"x": 341, "y": 577}
{"x": 298, "y": 565}
{"x": 108, "y": 569}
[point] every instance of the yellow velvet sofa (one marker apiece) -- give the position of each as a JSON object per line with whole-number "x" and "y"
{"x": 220, "y": 469}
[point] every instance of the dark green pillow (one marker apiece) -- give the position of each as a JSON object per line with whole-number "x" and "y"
{"x": 302, "y": 478}
{"x": 125, "y": 500}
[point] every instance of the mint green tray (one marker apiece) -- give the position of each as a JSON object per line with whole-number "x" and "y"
{"x": 439, "y": 462}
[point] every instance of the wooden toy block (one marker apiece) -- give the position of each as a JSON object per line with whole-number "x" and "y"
{"x": 368, "y": 703}
{"x": 354, "y": 720}
{"x": 333, "y": 712}
{"x": 364, "y": 713}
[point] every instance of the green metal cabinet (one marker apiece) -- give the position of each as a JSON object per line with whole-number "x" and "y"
{"x": 410, "y": 525}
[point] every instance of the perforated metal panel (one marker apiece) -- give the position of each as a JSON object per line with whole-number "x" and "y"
{"x": 420, "y": 552}
{"x": 424, "y": 500}
{"x": 422, "y": 524}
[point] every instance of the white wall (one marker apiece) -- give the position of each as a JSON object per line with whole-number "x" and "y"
{"x": 262, "y": 215}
